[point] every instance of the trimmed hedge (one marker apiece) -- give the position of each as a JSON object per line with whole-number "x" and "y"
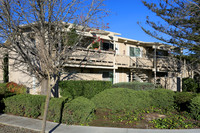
{"x": 189, "y": 85}
{"x": 183, "y": 99}
{"x": 24, "y": 105}
{"x": 3, "y": 88}
{"x": 162, "y": 98}
{"x": 195, "y": 108}
{"x": 135, "y": 85}
{"x": 86, "y": 89}
{"x": 55, "y": 109}
{"x": 78, "y": 111}
{"x": 4, "y": 93}
{"x": 118, "y": 99}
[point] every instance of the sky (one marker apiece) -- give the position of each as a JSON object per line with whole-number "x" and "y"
{"x": 123, "y": 18}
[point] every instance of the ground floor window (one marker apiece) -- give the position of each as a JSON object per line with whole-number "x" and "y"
{"x": 107, "y": 76}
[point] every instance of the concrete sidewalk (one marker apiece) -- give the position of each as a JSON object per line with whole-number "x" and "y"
{"x": 52, "y": 127}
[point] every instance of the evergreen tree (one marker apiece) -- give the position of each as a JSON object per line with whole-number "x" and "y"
{"x": 181, "y": 26}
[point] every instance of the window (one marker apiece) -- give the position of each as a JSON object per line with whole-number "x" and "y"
{"x": 135, "y": 52}
{"x": 107, "y": 76}
{"x": 106, "y": 46}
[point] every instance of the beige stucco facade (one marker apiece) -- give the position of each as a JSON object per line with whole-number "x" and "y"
{"x": 114, "y": 61}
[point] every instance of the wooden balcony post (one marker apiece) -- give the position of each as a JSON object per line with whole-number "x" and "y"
{"x": 131, "y": 76}
{"x": 155, "y": 64}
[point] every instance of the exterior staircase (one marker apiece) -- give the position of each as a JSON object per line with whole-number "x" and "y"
{"x": 139, "y": 75}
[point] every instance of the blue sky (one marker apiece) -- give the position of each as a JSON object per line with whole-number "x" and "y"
{"x": 124, "y": 17}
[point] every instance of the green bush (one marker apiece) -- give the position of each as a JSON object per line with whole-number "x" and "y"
{"x": 83, "y": 88}
{"x": 4, "y": 93}
{"x": 135, "y": 85}
{"x": 183, "y": 99}
{"x": 24, "y": 105}
{"x": 55, "y": 108}
{"x": 162, "y": 98}
{"x": 3, "y": 88}
{"x": 195, "y": 107}
{"x": 118, "y": 99}
{"x": 189, "y": 85}
{"x": 78, "y": 111}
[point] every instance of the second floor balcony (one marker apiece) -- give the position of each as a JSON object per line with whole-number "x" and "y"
{"x": 85, "y": 57}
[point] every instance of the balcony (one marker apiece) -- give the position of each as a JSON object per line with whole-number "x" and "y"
{"x": 163, "y": 63}
{"x": 85, "y": 57}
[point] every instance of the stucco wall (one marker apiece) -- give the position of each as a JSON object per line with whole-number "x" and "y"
{"x": 123, "y": 48}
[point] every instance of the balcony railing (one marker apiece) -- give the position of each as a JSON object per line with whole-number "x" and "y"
{"x": 92, "y": 57}
{"x": 108, "y": 58}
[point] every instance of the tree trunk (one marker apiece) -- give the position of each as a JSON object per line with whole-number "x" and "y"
{"x": 55, "y": 91}
{"x": 46, "y": 104}
{"x": 44, "y": 86}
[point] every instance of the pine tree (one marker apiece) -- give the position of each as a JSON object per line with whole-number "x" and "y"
{"x": 181, "y": 25}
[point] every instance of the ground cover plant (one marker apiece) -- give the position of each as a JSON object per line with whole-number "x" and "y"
{"x": 148, "y": 118}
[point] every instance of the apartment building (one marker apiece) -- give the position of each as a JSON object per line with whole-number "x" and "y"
{"x": 117, "y": 59}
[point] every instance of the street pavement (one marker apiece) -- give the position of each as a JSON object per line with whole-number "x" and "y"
{"x": 36, "y": 125}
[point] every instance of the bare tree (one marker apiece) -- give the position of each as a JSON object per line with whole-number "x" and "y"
{"x": 42, "y": 34}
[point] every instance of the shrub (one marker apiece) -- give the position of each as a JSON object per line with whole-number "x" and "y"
{"x": 195, "y": 107}
{"x": 3, "y": 88}
{"x": 55, "y": 108}
{"x": 162, "y": 98}
{"x": 24, "y": 105}
{"x": 118, "y": 99}
{"x": 83, "y": 88}
{"x": 183, "y": 99}
{"x": 15, "y": 88}
{"x": 78, "y": 111}
{"x": 3, "y": 94}
{"x": 189, "y": 85}
{"x": 135, "y": 85}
